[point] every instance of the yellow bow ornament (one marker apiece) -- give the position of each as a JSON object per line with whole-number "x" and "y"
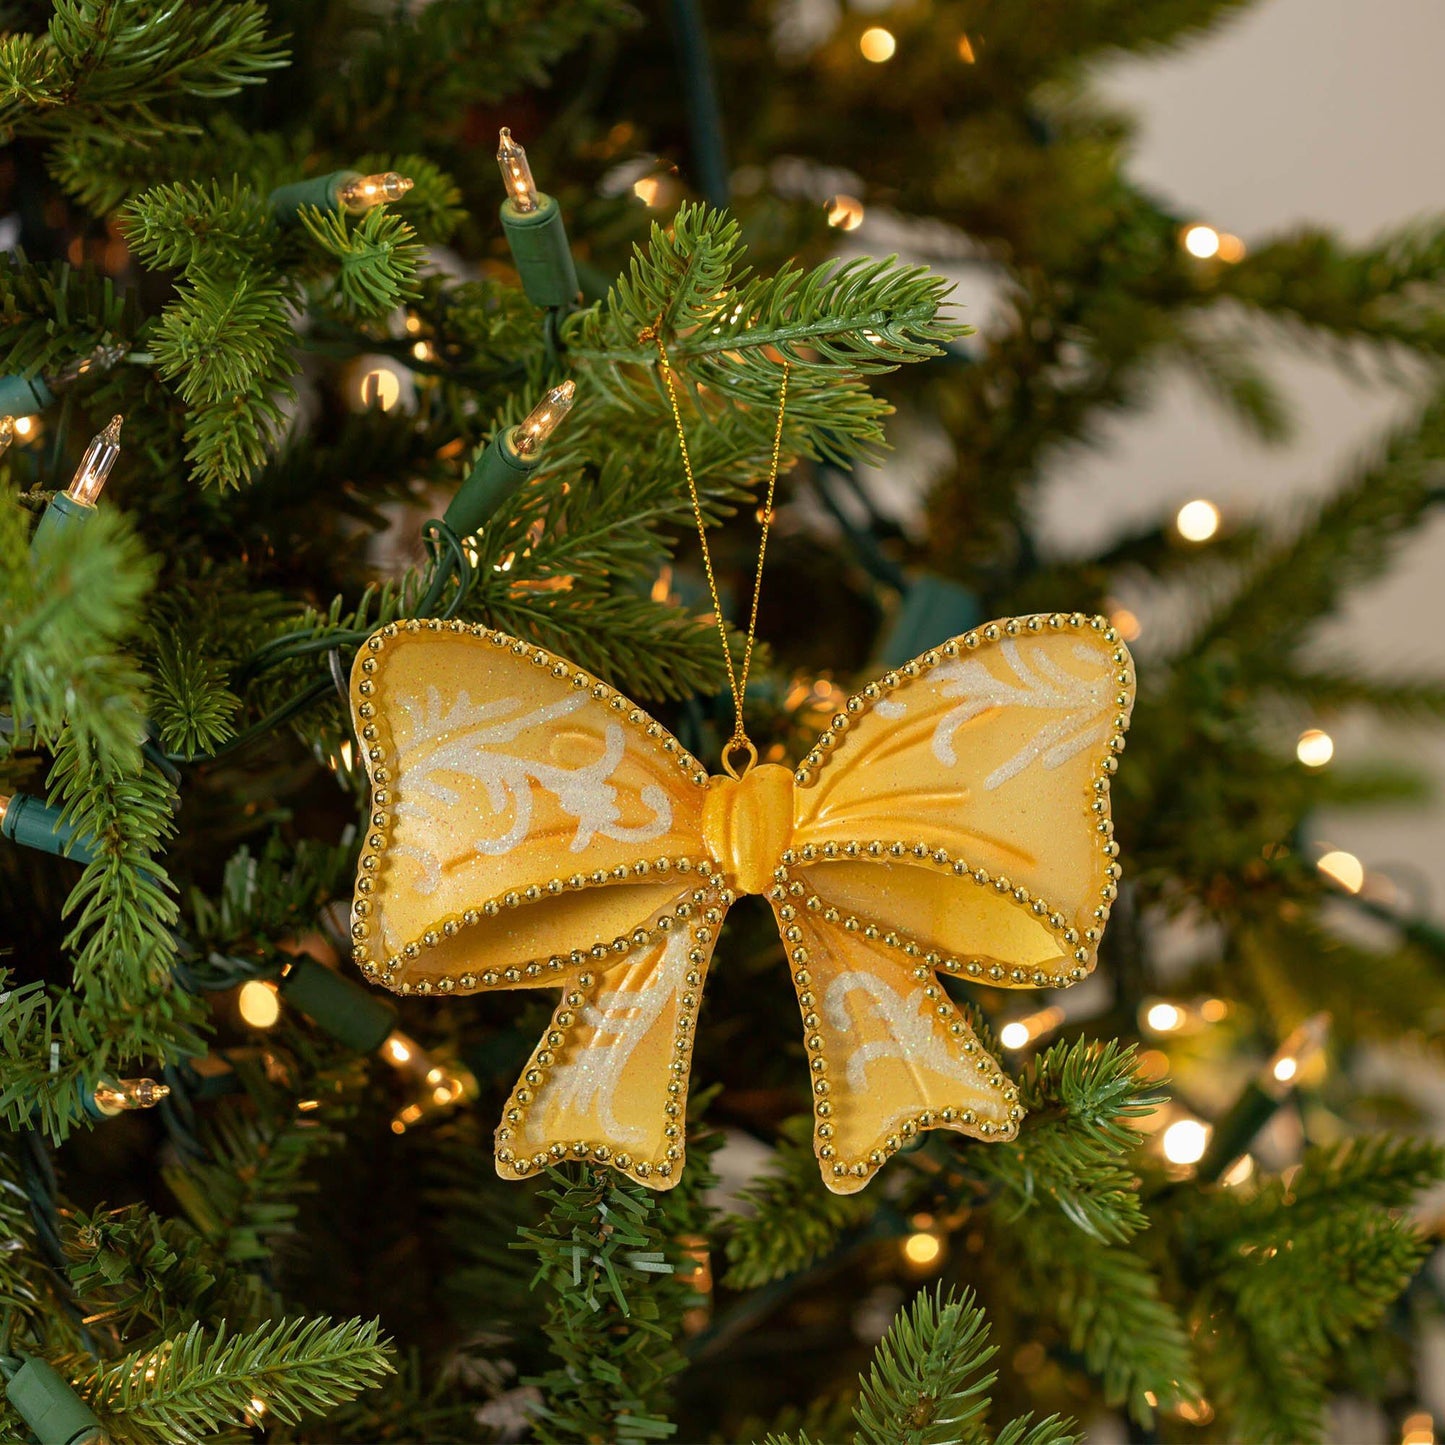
{"x": 531, "y": 827}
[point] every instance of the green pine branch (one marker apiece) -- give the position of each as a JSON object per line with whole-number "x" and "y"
{"x": 201, "y": 1381}
{"x": 1107, "y": 1302}
{"x": 67, "y": 611}
{"x": 614, "y": 1308}
{"x": 730, "y": 333}
{"x": 927, "y": 1386}
{"x": 789, "y": 1221}
{"x": 377, "y": 258}
{"x": 1072, "y": 1149}
{"x": 187, "y": 224}
{"x": 121, "y": 65}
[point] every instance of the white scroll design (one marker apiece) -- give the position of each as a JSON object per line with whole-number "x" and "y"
{"x": 1041, "y": 685}
{"x": 591, "y": 1080}
{"x": 469, "y": 740}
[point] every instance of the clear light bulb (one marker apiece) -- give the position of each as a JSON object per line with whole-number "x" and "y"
{"x": 543, "y": 419}
{"x": 512, "y": 161}
{"x": 104, "y": 356}
{"x": 364, "y": 192}
{"x": 1295, "y": 1055}
{"x": 117, "y": 1096}
{"x": 95, "y": 465}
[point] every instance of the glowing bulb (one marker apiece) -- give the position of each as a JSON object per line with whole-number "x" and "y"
{"x": 1231, "y": 248}
{"x": 1344, "y": 868}
{"x": 1014, "y": 1035}
{"x": 1126, "y": 623}
{"x": 1315, "y": 748}
{"x": 1197, "y": 521}
{"x": 1185, "y": 1141}
{"x": 1238, "y": 1172}
{"x": 512, "y": 161}
{"x": 380, "y": 386}
{"x": 1201, "y": 241}
{"x": 95, "y": 465}
{"x": 364, "y": 192}
{"x": 1418, "y": 1429}
{"x": 966, "y": 51}
{"x": 648, "y": 190}
{"x": 1163, "y": 1018}
{"x": 543, "y": 419}
{"x": 25, "y": 426}
{"x": 398, "y": 1049}
{"x": 117, "y": 1096}
{"x": 922, "y": 1249}
{"x": 258, "y": 1003}
{"x": 877, "y": 44}
{"x": 1213, "y": 1009}
{"x": 1295, "y": 1054}
{"x": 845, "y": 213}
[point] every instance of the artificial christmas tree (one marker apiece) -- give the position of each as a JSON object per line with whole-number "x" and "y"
{"x": 248, "y": 1194}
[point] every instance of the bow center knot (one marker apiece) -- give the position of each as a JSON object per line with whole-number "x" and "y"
{"x": 748, "y": 823}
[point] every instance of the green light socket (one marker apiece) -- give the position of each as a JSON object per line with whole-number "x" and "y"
{"x": 321, "y": 191}
{"x": 499, "y": 471}
{"x": 34, "y": 824}
{"x": 23, "y": 395}
{"x": 56, "y": 1414}
{"x": 542, "y": 255}
{"x": 61, "y": 515}
{"x": 350, "y": 1013}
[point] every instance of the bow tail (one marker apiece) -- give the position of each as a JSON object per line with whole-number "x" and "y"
{"x": 608, "y": 1082}
{"x": 890, "y": 1055}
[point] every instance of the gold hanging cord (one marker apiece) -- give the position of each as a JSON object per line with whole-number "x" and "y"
{"x": 739, "y": 742}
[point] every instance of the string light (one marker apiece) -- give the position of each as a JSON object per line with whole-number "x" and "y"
{"x": 1201, "y": 241}
{"x": 966, "y": 51}
{"x": 845, "y": 213}
{"x": 119, "y": 1096}
{"x": 442, "y": 1087}
{"x": 1024, "y": 1031}
{"x": 26, "y": 427}
{"x": 346, "y": 191}
{"x": 1205, "y": 243}
{"x": 877, "y": 44}
{"x": 923, "y": 1248}
{"x": 508, "y": 460}
{"x": 1418, "y": 1429}
{"x": 1185, "y": 1141}
{"x": 1126, "y": 622}
{"x": 361, "y": 193}
{"x": 1299, "y": 1050}
{"x": 1315, "y": 747}
{"x": 1164, "y": 1018}
{"x": 1343, "y": 868}
{"x": 516, "y": 173}
{"x": 543, "y": 419}
{"x": 379, "y": 385}
{"x": 1240, "y": 1172}
{"x": 258, "y": 1003}
{"x": 1197, "y": 521}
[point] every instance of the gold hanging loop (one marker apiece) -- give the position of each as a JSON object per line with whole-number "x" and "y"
{"x": 739, "y": 742}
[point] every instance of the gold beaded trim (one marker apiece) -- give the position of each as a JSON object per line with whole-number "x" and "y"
{"x": 661, "y": 1173}
{"x": 830, "y": 742}
{"x": 536, "y": 971}
{"x": 782, "y": 896}
{"x": 1080, "y": 945}
{"x": 379, "y": 750}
